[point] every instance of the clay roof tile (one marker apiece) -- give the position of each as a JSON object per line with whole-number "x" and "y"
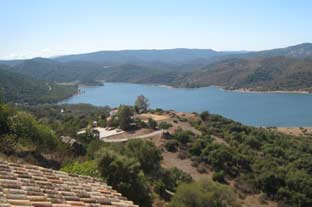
{"x": 29, "y": 185}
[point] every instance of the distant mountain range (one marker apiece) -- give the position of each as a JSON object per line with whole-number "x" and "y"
{"x": 298, "y": 51}
{"x": 146, "y": 57}
{"x": 287, "y": 68}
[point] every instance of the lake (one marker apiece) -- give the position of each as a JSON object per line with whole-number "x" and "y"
{"x": 256, "y": 109}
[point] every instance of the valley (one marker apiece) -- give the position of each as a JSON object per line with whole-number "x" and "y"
{"x": 75, "y": 114}
{"x": 155, "y": 103}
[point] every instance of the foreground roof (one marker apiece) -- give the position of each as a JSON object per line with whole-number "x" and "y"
{"x": 29, "y": 185}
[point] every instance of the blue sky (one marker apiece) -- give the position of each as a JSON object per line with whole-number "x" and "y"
{"x": 31, "y": 28}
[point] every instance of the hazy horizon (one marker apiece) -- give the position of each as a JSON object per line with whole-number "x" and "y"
{"x": 54, "y": 28}
{"x": 60, "y": 55}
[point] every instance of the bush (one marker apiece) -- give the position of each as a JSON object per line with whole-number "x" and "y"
{"x": 218, "y": 176}
{"x": 160, "y": 188}
{"x": 182, "y": 119}
{"x": 183, "y": 136}
{"x": 245, "y": 184}
{"x": 146, "y": 153}
{"x": 182, "y": 155}
{"x": 172, "y": 145}
{"x": 204, "y": 193}
{"x": 140, "y": 123}
{"x": 158, "y": 110}
{"x": 201, "y": 168}
{"x": 170, "y": 179}
{"x": 195, "y": 161}
{"x": 88, "y": 168}
{"x": 93, "y": 147}
{"x": 5, "y": 113}
{"x": 31, "y": 134}
{"x": 124, "y": 175}
{"x": 164, "y": 125}
{"x": 152, "y": 123}
{"x": 8, "y": 144}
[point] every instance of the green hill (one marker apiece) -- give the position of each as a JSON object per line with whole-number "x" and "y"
{"x": 51, "y": 70}
{"x": 19, "y": 88}
{"x": 261, "y": 74}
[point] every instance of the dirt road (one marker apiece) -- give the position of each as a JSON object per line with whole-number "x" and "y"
{"x": 144, "y": 136}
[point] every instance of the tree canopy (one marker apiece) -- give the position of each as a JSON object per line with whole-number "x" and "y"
{"x": 125, "y": 114}
{"x": 204, "y": 194}
{"x": 124, "y": 174}
{"x": 141, "y": 104}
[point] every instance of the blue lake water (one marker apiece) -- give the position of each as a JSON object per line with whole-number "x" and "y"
{"x": 257, "y": 109}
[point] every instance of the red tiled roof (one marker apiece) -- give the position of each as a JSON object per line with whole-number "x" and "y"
{"x": 29, "y": 185}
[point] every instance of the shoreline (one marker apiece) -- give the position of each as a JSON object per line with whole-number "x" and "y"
{"x": 240, "y": 90}
{"x": 249, "y": 90}
{"x": 243, "y": 90}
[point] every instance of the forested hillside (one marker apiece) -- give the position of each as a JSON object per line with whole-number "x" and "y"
{"x": 287, "y": 68}
{"x": 300, "y": 51}
{"x": 244, "y": 161}
{"x": 18, "y": 88}
{"x": 261, "y": 74}
{"x": 51, "y": 70}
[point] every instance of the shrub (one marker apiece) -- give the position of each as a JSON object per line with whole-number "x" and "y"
{"x": 172, "y": 145}
{"x": 158, "y": 110}
{"x": 170, "y": 179}
{"x": 204, "y": 193}
{"x": 152, "y": 123}
{"x": 8, "y": 144}
{"x": 160, "y": 188}
{"x": 93, "y": 147}
{"x": 182, "y": 155}
{"x": 164, "y": 125}
{"x": 124, "y": 175}
{"x": 140, "y": 123}
{"x": 146, "y": 153}
{"x": 218, "y": 176}
{"x": 31, "y": 134}
{"x": 201, "y": 168}
{"x": 88, "y": 168}
{"x": 183, "y": 136}
{"x": 195, "y": 161}
{"x": 182, "y": 119}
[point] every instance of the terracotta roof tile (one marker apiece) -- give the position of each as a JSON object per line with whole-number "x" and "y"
{"x": 29, "y": 185}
